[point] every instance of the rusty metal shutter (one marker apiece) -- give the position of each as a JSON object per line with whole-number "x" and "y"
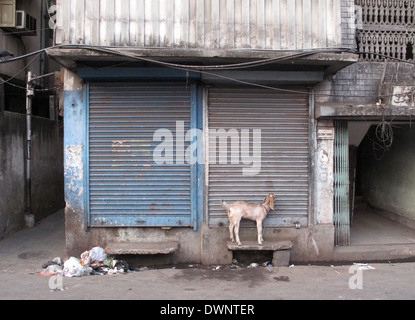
{"x": 284, "y": 122}
{"x": 126, "y": 186}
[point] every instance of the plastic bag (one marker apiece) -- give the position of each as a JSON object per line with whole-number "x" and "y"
{"x": 52, "y": 270}
{"x": 73, "y": 268}
{"x": 96, "y": 254}
{"x": 85, "y": 259}
{"x": 55, "y": 261}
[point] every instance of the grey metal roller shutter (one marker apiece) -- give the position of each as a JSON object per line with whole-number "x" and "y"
{"x": 126, "y": 186}
{"x": 284, "y": 122}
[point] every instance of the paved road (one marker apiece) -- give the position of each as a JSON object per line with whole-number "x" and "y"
{"x": 22, "y": 255}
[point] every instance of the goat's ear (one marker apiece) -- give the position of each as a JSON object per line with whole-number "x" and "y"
{"x": 271, "y": 205}
{"x": 270, "y": 200}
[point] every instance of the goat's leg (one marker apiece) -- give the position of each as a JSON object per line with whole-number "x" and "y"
{"x": 231, "y": 227}
{"x": 259, "y": 229}
{"x": 237, "y": 224}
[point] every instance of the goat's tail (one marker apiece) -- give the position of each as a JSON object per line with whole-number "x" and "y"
{"x": 225, "y": 205}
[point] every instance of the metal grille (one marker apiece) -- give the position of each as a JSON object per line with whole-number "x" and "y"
{"x": 386, "y": 28}
{"x": 377, "y": 45}
{"x": 284, "y": 123}
{"x": 387, "y": 12}
{"x": 126, "y": 186}
{"x": 341, "y": 184}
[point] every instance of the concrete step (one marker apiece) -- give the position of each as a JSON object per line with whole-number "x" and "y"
{"x": 371, "y": 253}
{"x": 266, "y": 245}
{"x": 142, "y": 248}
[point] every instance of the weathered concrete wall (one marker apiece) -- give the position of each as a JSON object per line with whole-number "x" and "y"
{"x": 389, "y": 183}
{"x": 348, "y": 23}
{"x": 312, "y": 244}
{"x": 47, "y": 170}
{"x": 47, "y": 167}
{"x": 360, "y": 83}
{"x": 12, "y": 182}
{"x": 323, "y": 173}
{"x": 74, "y": 159}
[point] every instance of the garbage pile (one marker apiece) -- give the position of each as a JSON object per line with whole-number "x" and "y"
{"x": 92, "y": 262}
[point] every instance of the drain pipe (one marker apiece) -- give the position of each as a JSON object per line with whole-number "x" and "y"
{"x": 29, "y": 216}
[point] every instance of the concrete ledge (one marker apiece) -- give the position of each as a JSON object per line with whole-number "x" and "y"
{"x": 266, "y": 246}
{"x": 281, "y": 255}
{"x": 74, "y": 52}
{"x": 142, "y": 248}
{"x": 368, "y": 111}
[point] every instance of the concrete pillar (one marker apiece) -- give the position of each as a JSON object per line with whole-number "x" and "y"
{"x": 74, "y": 161}
{"x": 323, "y": 173}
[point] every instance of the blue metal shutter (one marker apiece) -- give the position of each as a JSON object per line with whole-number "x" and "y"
{"x": 284, "y": 123}
{"x": 126, "y": 186}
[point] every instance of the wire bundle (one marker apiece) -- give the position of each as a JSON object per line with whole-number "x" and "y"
{"x": 118, "y": 51}
{"x": 384, "y": 136}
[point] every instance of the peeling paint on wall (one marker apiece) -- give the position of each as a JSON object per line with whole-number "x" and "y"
{"x": 74, "y": 171}
{"x": 324, "y": 173}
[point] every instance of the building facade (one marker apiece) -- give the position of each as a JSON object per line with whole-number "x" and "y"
{"x": 172, "y": 106}
{"x": 372, "y": 98}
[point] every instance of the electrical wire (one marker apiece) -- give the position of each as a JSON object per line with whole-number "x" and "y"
{"x": 24, "y": 68}
{"x": 202, "y": 69}
{"x": 384, "y": 139}
{"x": 117, "y": 51}
{"x": 24, "y": 56}
{"x": 384, "y": 134}
{"x": 35, "y": 89}
{"x": 198, "y": 68}
{"x": 243, "y": 65}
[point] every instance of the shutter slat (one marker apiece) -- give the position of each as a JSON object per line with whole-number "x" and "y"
{"x": 126, "y": 186}
{"x": 284, "y": 123}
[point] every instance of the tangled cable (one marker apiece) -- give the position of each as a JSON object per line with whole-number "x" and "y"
{"x": 384, "y": 136}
